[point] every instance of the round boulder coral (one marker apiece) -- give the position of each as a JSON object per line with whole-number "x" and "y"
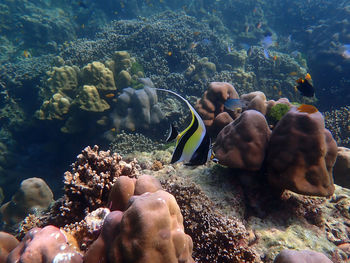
{"x": 45, "y": 245}
{"x": 242, "y": 144}
{"x": 301, "y": 154}
{"x": 150, "y": 230}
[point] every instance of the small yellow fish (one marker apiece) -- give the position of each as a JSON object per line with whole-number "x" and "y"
{"x": 275, "y": 87}
{"x": 295, "y": 89}
{"x": 116, "y": 12}
{"x": 280, "y": 93}
{"x": 26, "y": 54}
{"x": 113, "y": 130}
{"x": 109, "y": 95}
{"x": 293, "y": 73}
{"x": 83, "y": 26}
{"x": 170, "y": 53}
{"x": 196, "y": 33}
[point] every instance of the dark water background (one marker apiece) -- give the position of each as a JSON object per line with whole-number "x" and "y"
{"x": 34, "y": 32}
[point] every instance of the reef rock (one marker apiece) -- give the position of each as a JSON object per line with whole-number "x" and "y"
{"x": 242, "y": 144}
{"x": 301, "y": 154}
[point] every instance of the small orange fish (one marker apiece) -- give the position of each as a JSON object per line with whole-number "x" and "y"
{"x": 300, "y": 80}
{"x": 196, "y": 33}
{"x": 280, "y": 93}
{"x": 275, "y": 88}
{"x": 293, "y": 73}
{"x": 308, "y": 76}
{"x": 170, "y": 53}
{"x": 307, "y": 108}
{"x": 274, "y": 58}
{"x": 258, "y": 25}
{"x": 113, "y": 130}
{"x": 110, "y": 95}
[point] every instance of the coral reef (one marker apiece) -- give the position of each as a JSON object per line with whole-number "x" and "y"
{"x": 70, "y": 91}
{"x": 33, "y": 197}
{"x": 126, "y": 143}
{"x": 301, "y": 154}
{"x": 242, "y": 143}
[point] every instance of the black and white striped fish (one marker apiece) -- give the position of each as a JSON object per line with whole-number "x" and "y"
{"x": 193, "y": 145}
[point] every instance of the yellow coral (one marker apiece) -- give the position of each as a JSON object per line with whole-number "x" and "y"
{"x": 89, "y": 99}
{"x": 99, "y": 75}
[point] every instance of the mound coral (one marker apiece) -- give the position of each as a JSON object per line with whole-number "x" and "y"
{"x": 307, "y": 256}
{"x": 212, "y": 104}
{"x": 150, "y": 229}
{"x": 137, "y": 109}
{"x": 33, "y": 196}
{"x": 301, "y": 154}
{"x": 45, "y": 245}
{"x": 7, "y": 244}
{"x": 243, "y": 143}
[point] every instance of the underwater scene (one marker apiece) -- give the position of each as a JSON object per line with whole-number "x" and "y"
{"x": 143, "y": 131}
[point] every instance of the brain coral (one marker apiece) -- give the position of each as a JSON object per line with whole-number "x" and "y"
{"x": 301, "y": 154}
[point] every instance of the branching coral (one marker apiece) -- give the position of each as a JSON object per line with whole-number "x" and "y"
{"x": 88, "y": 183}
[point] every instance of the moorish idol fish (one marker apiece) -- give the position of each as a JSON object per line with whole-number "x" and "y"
{"x": 193, "y": 145}
{"x": 305, "y": 87}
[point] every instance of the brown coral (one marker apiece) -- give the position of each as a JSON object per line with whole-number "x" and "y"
{"x": 212, "y": 102}
{"x": 88, "y": 184}
{"x": 150, "y": 230}
{"x": 242, "y": 144}
{"x": 301, "y": 154}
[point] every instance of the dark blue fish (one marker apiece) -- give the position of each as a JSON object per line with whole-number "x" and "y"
{"x": 234, "y": 104}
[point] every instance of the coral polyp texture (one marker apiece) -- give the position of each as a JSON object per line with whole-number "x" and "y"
{"x": 88, "y": 184}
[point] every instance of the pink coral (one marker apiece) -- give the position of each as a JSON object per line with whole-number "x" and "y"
{"x": 45, "y": 245}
